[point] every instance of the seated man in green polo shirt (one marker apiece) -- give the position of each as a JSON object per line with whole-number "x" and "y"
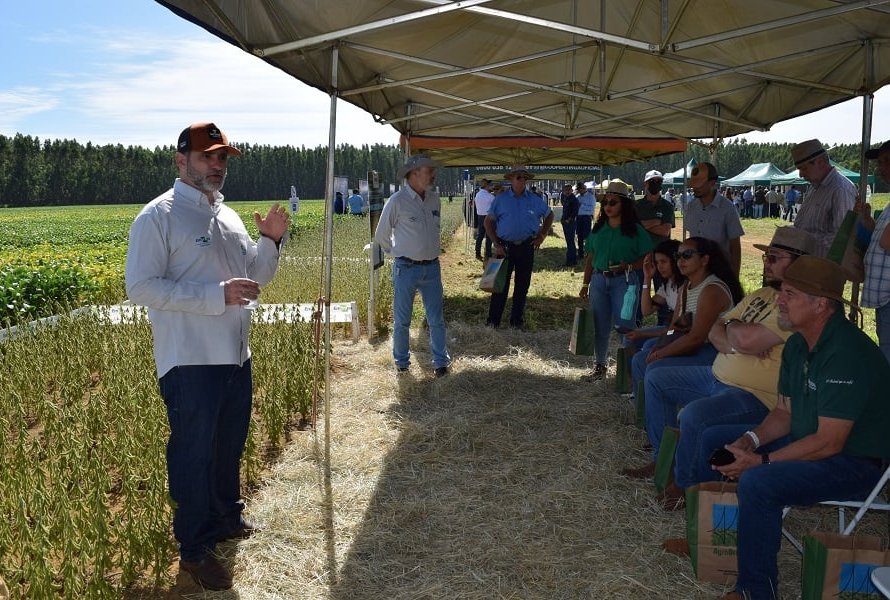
{"x": 826, "y": 439}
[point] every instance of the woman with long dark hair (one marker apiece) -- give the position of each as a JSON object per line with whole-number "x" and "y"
{"x": 615, "y": 250}
{"x": 711, "y": 289}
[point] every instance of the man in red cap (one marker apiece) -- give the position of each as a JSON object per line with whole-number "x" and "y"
{"x": 193, "y": 264}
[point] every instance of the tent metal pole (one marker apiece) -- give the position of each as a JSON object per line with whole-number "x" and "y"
{"x": 683, "y": 198}
{"x": 327, "y": 259}
{"x": 868, "y": 101}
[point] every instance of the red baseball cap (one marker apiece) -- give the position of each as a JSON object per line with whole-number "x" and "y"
{"x": 204, "y": 137}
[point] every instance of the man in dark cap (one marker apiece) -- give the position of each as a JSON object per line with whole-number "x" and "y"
{"x": 710, "y": 215}
{"x": 830, "y": 195}
{"x": 408, "y": 230}
{"x": 826, "y": 439}
{"x": 193, "y": 264}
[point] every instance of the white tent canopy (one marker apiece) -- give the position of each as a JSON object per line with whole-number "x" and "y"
{"x": 676, "y": 178}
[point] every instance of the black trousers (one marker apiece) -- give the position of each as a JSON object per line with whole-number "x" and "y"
{"x": 521, "y": 260}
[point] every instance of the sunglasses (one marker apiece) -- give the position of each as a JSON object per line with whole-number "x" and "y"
{"x": 774, "y": 258}
{"x": 685, "y": 254}
{"x": 611, "y": 202}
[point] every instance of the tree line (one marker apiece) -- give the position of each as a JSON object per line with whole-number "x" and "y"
{"x": 66, "y": 172}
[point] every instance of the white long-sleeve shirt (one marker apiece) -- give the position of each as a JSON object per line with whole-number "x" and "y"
{"x": 181, "y": 252}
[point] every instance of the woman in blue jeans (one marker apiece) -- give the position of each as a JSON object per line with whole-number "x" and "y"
{"x": 614, "y": 250}
{"x": 711, "y": 289}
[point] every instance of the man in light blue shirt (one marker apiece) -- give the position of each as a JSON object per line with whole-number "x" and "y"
{"x": 356, "y": 204}
{"x": 517, "y": 222}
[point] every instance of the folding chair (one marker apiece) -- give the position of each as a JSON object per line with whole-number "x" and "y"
{"x": 871, "y": 502}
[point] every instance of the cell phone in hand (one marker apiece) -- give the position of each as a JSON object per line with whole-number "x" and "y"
{"x": 623, "y": 329}
{"x": 721, "y": 457}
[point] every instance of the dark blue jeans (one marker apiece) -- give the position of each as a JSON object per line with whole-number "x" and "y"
{"x": 583, "y": 223}
{"x": 763, "y": 492}
{"x": 521, "y": 259}
{"x": 208, "y": 408}
{"x": 568, "y": 232}
{"x": 480, "y": 236}
{"x": 708, "y": 402}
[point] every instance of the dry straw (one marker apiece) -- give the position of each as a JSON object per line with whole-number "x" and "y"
{"x": 498, "y": 481}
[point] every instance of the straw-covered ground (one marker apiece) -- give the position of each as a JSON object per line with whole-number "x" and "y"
{"x": 497, "y": 481}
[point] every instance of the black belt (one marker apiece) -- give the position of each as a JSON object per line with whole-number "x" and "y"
{"x": 878, "y": 462}
{"x": 521, "y": 243}
{"x": 418, "y": 262}
{"x": 610, "y": 273}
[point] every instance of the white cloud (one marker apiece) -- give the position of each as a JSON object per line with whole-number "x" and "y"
{"x": 144, "y": 92}
{"x": 20, "y": 103}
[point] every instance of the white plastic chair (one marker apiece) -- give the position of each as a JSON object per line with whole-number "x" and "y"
{"x": 871, "y": 502}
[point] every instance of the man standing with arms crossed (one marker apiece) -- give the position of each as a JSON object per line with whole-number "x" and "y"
{"x": 586, "y": 208}
{"x": 656, "y": 213}
{"x": 569, "y": 220}
{"x": 515, "y": 224}
{"x": 408, "y": 230}
{"x": 193, "y": 264}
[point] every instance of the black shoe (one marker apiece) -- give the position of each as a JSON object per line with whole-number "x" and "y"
{"x": 441, "y": 372}
{"x": 244, "y": 531}
{"x": 598, "y": 373}
{"x": 479, "y": 257}
{"x": 401, "y": 369}
{"x": 208, "y": 573}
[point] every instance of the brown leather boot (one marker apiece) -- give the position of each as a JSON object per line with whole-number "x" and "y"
{"x": 678, "y": 546}
{"x": 209, "y": 573}
{"x": 644, "y": 472}
{"x": 672, "y": 498}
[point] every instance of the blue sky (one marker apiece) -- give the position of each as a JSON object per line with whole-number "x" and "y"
{"x": 132, "y": 72}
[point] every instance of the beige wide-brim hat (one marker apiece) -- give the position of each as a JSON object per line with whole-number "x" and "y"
{"x": 417, "y": 161}
{"x": 791, "y": 239}
{"x": 619, "y": 188}
{"x": 806, "y": 151}
{"x": 517, "y": 169}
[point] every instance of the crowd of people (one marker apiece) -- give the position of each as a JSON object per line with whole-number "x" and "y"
{"x": 778, "y": 377}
